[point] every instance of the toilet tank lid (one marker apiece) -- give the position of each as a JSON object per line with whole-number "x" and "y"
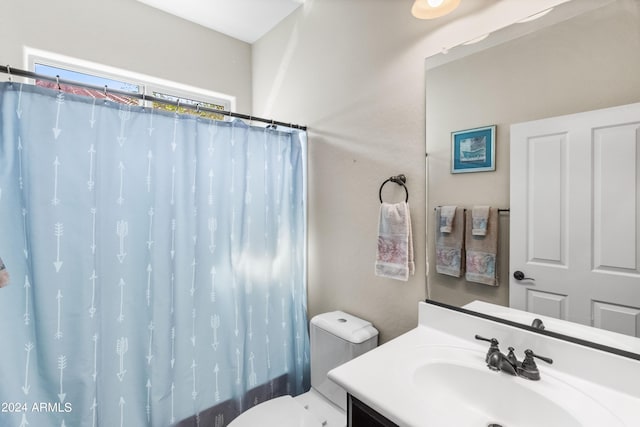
{"x": 345, "y": 326}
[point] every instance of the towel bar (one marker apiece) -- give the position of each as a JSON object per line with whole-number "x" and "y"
{"x": 400, "y": 180}
{"x": 499, "y": 210}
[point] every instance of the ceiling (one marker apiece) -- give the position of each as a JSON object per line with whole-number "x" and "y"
{"x": 246, "y": 20}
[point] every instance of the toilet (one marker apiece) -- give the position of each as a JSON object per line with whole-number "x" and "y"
{"x": 336, "y": 338}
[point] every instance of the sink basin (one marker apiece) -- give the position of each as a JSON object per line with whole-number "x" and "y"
{"x": 482, "y": 395}
{"x": 455, "y": 385}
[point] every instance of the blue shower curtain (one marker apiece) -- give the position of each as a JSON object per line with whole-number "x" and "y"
{"x": 157, "y": 264}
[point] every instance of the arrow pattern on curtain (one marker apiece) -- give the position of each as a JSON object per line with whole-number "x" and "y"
{"x": 155, "y": 249}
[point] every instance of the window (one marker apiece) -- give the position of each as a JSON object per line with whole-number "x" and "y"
{"x": 186, "y": 101}
{"x": 87, "y": 79}
{"x": 67, "y": 68}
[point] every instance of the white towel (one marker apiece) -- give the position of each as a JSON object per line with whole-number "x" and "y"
{"x": 447, "y": 213}
{"x": 394, "y": 255}
{"x": 480, "y": 219}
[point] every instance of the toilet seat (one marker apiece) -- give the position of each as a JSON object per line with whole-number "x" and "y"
{"x": 282, "y": 411}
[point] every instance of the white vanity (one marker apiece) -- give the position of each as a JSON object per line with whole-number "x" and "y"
{"x": 436, "y": 375}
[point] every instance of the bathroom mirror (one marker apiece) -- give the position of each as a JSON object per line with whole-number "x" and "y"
{"x": 583, "y": 55}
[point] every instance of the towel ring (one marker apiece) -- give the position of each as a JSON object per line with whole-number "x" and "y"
{"x": 400, "y": 180}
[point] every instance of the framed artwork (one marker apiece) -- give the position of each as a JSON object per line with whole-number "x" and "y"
{"x": 473, "y": 150}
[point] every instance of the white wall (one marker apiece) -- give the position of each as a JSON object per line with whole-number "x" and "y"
{"x": 350, "y": 70}
{"x": 129, "y": 35}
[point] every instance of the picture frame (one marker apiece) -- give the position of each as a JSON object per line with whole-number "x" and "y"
{"x": 473, "y": 150}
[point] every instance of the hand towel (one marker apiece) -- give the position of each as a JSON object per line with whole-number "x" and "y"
{"x": 447, "y": 214}
{"x": 479, "y": 216}
{"x": 482, "y": 251}
{"x": 394, "y": 255}
{"x": 449, "y": 245}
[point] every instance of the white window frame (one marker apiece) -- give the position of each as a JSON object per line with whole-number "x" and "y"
{"x": 149, "y": 84}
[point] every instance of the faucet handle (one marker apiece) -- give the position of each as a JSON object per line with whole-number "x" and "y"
{"x": 529, "y": 355}
{"x": 492, "y": 349}
{"x": 528, "y": 368}
{"x": 493, "y": 341}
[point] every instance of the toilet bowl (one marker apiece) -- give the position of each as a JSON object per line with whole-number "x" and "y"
{"x": 336, "y": 338}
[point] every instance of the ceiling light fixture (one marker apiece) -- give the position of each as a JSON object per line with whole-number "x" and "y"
{"x": 430, "y": 9}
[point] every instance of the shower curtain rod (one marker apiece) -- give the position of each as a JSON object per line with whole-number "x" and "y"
{"x": 31, "y": 75}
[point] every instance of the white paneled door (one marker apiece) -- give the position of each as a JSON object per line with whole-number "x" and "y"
{"x": 575, "y": 218}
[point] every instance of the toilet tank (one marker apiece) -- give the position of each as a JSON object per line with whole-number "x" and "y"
{"x": 336, "y": 338}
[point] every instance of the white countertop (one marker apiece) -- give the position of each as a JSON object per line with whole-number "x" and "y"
{"x": 382, "y": 379}
{"x": 374, "y": 378}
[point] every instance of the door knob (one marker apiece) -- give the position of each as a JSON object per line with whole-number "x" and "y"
{"x": 519, "y": 275}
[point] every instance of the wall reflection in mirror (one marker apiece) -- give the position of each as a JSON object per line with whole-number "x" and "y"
{"x": 583, "y": 56}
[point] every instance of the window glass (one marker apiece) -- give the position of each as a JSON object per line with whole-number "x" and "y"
{"x": 122, "y": 82}
{"x": 87, "y": 79}
{"x": 191, "y": 102}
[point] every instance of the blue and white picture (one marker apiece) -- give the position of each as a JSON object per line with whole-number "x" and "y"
{"x": 473, "y": 150}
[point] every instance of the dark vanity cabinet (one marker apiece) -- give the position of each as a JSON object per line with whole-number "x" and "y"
{"x": 360, "y": 415}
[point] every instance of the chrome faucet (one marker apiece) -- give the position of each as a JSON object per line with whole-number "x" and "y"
{"x": 497, "y": 361}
